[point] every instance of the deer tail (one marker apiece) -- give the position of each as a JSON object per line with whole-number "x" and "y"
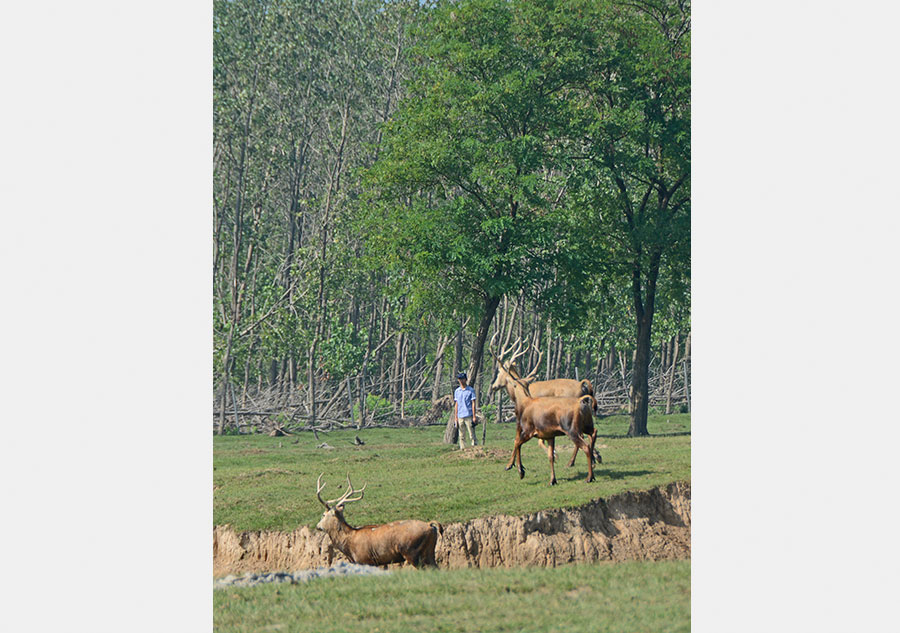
{"x": 437, "y": 526}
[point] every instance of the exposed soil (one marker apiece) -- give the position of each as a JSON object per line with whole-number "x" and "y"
{"x": 479, "y": 452}
{"x": 642, "y": 525}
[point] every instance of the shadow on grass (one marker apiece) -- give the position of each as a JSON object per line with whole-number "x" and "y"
{"x": 618, "y": 474}
{"x": 599, "y": 473}
{"x": 621, "y": 436}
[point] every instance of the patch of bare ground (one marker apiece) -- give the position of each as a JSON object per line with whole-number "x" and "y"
{"x": 479, "y": 452}
{"x": 641, "y": 525}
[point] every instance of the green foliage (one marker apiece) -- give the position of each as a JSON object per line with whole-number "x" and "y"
{"x": 382, "y": 406}
{"x": 460, "y": 208}
{"x": 619, "y": 598}
{"x": 412, "y": 474}
{"x": 343, "y": 350}
{"x": 375, "y": 405}
{"x": 438, "y": 155}
{"x": 290, "y": 78}
{"x": 631, "y": 120}
{"x": 416, "y": 408}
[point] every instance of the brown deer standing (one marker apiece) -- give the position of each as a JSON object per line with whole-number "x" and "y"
{"x": 411, "y": 541}
{"x": 508, "y": 377}
{"x": 549, "y": 417}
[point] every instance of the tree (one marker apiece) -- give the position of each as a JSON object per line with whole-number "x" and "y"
{"x": 630, "y": 127}
{"x": 463, "y": 197}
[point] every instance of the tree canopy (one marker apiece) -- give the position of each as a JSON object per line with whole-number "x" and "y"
{"x": 390, "y": 171}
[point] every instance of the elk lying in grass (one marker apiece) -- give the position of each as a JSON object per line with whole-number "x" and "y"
{"x": 411, "y": 541}
{"x": 508, "y": 377}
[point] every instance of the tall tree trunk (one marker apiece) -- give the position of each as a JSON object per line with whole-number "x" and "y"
{"x": 361, "y": 398}
{"x": 644, "y": 306}
{"x": 457, "y": 358}
{"x": 673, "y": 369}
{"x": 436, "y": 387}
{"x": 395, "y": 373}
{"x": 557, "y": 367}
{"x": 382, "y": 334}
{"x": 273, "y": 373}
{"x": 549, "y": 354}
{"x": 311, "y": 378}
{"x": 349, "y": 399}
{"x": 403, "y": 353}
{"x": 490, "y": 308}
{"x": 237, "y": 234}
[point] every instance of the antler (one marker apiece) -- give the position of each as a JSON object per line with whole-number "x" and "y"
{"x": 319, "y": 487}
{"x": 515, "y": 349}
{"x": 344, "y": 499}
{"x": 537, "y": 364}
{"x": 512, "y": 375}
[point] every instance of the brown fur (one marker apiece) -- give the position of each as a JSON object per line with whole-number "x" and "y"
{"x": 410, "y": 540}
{"x": 558, "y": 387}
{"x": 549, "y": 417}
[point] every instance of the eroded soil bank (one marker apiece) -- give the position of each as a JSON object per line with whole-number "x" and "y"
{"x": 642, "y": 525}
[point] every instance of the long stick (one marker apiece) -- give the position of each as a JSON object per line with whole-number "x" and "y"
{"x": 237, "y": 422}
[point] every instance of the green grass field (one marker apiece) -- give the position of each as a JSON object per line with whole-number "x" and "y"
{"x": 626, "y": 597}
{"x": 269, "y": 483}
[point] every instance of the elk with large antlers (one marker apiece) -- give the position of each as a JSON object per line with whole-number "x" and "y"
{"x": 549, "y": 417}
{"x": 508, "y": 377}
{"x": 508, "y": 373}
{"x": 411, "y": 541}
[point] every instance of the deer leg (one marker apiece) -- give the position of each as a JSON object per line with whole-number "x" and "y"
{"x": 512, "y": 459}
{"x": 517, "y": 450}
{"x": 574, "y": 455}
{"x": 594, "y": 453}
{"x": 428, "y": 550}
{"x": 580, "y": 443}
{"x": 412, "y": 558}
{"x": 547, "y": 447}
{"x": 551, "y": 444}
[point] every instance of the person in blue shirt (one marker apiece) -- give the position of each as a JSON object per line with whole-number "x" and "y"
{"x": 464, "y": 409}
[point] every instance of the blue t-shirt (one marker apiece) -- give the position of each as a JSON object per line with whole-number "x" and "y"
{"x": 464, "y": 399}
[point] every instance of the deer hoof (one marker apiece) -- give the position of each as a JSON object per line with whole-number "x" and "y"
{"x": 521, "y": 473}
{"x": 590, "y": 479}
{"x": 553, "y": 482}
{"x": 508, "y": 467}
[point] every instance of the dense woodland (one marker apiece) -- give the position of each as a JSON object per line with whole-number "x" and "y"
{"x": 396, "y": 181}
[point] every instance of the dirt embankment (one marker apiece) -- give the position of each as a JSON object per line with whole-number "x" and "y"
{"x": 645, "y": 525}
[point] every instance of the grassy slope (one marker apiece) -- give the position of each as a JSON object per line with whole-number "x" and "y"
{"x": 269, "y": 483}
{"x": 627, "y": 597}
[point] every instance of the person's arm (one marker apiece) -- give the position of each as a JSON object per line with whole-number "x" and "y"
{"x": 455, "y": 409}
{"x": 473, "y": 406}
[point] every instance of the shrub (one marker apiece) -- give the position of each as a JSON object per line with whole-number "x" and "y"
{"x": 417, "y": 408}
{"x": 490, "y": 412}
{"x": 375, "y": 404}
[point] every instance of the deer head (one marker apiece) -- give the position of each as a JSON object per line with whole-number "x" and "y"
{"x": 507, "y": 373}
{"x": 333, "y": 517}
